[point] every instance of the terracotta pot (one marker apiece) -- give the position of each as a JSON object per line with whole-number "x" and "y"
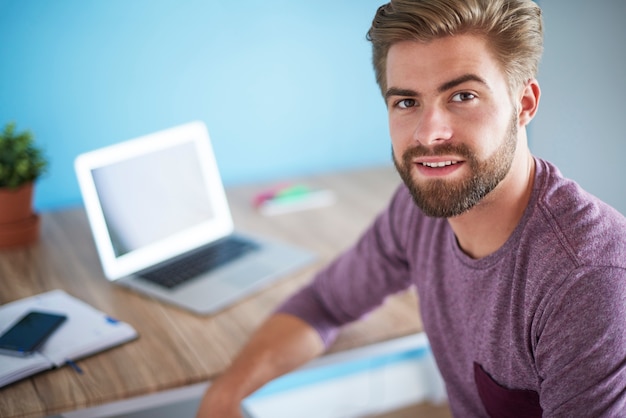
{"x": 19, "y": 226}
{"x": 20, "y": 233}
{"x": 16, "y": 204}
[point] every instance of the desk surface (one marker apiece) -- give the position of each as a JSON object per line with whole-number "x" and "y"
{"x": 177, "y": 348}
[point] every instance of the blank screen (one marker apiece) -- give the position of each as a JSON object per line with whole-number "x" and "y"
{"x": 153, "y": 196}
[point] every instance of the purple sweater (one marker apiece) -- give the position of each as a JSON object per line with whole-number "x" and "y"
{"x": 538, "y": 327}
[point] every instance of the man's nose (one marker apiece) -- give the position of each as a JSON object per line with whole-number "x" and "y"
{"x": 433, "y": 126}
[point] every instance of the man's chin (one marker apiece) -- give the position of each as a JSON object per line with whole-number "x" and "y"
{"x": 440, "y": 198}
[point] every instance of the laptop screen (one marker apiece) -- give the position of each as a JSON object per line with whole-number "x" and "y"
{"x": 152, "y": 198}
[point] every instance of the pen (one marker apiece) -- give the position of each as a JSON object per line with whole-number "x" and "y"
{"x": 74, "y": 366}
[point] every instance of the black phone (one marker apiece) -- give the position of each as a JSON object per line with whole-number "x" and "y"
{"x": 29, "y": 333}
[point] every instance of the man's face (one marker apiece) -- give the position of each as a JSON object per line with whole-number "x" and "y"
{"x": 452, "y": 124}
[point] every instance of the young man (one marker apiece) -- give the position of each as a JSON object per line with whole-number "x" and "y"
{"x": 521, "y": 275}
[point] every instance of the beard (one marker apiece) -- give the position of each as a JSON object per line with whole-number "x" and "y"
{"x": 445, "y": 198}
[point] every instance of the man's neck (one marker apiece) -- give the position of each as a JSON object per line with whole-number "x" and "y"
{"x": 486, "y": 227}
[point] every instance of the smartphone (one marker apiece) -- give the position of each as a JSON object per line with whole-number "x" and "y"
{"x": 29, "y": 333}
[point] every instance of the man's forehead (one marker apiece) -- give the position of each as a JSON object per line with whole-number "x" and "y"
{"x": 431, "y": 64}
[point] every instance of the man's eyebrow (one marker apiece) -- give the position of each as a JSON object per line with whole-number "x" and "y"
{"x": 395, "y": 91}
{"x": 460, "y": 80}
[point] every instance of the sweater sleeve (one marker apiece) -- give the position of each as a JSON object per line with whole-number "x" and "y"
{"x": 360, "y": 279}
{"x": 581, "y": 348}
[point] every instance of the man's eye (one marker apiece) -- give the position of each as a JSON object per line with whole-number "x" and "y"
{"x": 406, "y": 103}
{"x": 463, "y": 97}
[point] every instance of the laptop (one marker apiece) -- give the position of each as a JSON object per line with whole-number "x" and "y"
{"x": 162, "y": 225}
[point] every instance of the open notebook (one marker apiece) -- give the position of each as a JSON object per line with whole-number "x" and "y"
{"x": 162, "y": 225}
{"x": 86, "y": 331}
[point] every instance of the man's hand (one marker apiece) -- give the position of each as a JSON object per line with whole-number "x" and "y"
{"x": 281, "y": 344}
{"x": 218, "y": 402}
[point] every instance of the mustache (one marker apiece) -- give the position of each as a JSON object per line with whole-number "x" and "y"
{"x": 415, "y": 151}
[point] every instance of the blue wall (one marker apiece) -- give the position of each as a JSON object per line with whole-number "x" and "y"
{"x": 580, "y": 123}
{"x": 285, "y": 87}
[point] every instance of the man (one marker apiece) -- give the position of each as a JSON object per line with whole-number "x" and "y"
{"x": 521, "y": 275}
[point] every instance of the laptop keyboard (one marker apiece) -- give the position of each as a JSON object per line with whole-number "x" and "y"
{"x": 200, "y": 261}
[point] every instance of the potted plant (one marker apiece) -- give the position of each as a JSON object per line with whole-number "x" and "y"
{"x": 21, "y": 163}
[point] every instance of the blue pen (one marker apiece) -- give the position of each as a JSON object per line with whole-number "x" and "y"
{"x": 74, "y": 366}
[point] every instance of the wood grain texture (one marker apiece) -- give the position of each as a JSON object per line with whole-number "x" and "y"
{"x": 176, "y": 347}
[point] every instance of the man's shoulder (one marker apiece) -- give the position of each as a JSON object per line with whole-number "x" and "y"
{"x": 588, "y": 229}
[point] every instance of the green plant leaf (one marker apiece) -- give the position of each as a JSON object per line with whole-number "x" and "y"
{"x": 21, "y": 160}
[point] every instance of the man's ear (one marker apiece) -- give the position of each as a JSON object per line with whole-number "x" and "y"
{"x": 529, "y": 102}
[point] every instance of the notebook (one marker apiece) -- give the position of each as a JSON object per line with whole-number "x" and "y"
{"x": 86, "y": 331}
{"x": 156, "y": 204}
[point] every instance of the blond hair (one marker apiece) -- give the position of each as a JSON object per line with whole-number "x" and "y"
{"x": 513, "y": 28}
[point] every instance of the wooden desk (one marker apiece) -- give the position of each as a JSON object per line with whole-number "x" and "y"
{"x": 177, "y": 348}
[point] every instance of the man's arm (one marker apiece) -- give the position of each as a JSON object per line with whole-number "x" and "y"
{"x": 580, "y": 352}
{"x": 354, "y": 284}
{"x": 280, "y": 345}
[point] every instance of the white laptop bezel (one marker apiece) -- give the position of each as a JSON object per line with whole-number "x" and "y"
{"x": 116, "y": 267}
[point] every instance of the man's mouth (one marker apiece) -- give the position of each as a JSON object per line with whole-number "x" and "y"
{"x": 438, "y": 164}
